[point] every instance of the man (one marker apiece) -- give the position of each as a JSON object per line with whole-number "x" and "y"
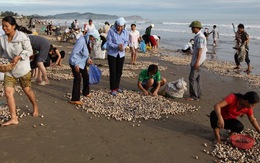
{"x": 242, "y": 39}
{"x": 150, "y": 78}
{"x": 198, "y": 57}
{"x": 215, "y": 35}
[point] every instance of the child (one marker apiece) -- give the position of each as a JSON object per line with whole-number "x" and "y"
{"x": 150, "y": 77}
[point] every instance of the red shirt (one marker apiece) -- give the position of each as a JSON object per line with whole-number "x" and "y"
{"x": 230, "y": 111}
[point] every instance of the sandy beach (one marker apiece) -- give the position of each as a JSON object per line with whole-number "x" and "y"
{"x": 67, "y": 133}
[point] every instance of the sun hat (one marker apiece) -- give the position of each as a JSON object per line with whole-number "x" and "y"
{"x": 152, "y": 25}
{"x": 196, "y": 24}
{"x": 120, "y": 21}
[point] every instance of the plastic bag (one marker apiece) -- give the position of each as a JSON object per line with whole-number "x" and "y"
{"x": 94, "y": 74}
{"x": 143, "y": 46}
{"x": 242, "y": 54}
{"x": 176, "y": 88}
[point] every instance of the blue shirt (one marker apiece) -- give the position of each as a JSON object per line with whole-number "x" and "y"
{"x": 113, "y": 41}
{"x": 79, "y": 54}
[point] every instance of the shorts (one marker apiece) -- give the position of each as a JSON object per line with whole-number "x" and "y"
{"x": 145, "y": 81}
{"x": 25, "y": 81}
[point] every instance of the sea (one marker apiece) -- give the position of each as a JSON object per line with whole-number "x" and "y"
{"x": 175, "y": 33}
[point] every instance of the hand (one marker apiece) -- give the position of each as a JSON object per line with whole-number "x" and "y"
{"x": 16, "y": 59}
{"x": 89, "y": 61}
{"x": 76, "y": 68}
{"x": 221, "y": 123}
{"x": 155, "y": 93}
{"x": 197, "y": 67}
{"x": 121, "y": 47}
{"x": 146, "y": 93}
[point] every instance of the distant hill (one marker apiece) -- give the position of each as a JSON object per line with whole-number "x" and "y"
{"x": 87, "y": 15}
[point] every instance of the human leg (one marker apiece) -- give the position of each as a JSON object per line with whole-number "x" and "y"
{"x": 247, "y": 60}
{"x": 85, "y": 77}
{"x": 25, "y": 82}
{"x": 237, "y": 61}
{"x": 42, "y": 69}
{"x": 135, "y": 55}
{"x": 112, "y": 72}
{"x": 192, "y": 83}
{"x": 234, "y": 125}
{"x": 119, "y": 70}
{"x": 132, "y": 54}
{"x": 214, "y": 126}
{"x": 9, "y": 94}
{"x": 76, "y": 84}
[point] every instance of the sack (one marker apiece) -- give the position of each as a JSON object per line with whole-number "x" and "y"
{"x": 96, "y": 52}
{"x": 176, "y": 88}
{"x": 242, "y": 54}
{"x": 94, "y": 74}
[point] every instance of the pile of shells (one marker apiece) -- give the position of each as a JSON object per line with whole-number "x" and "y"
{"x": 223, "y": 68}
{"x": 125, "y": 74}
{"x": 132, "y": 105}
{"x": 143, "y": 65}
{"x": 5, "y": 114}
{"x": 58, "y": 68}
{"x": 226, "y": 69}
{"x": 177, "y": 60}
{"x": 4, "y": 61}
{"x": 225, "y": 152}
{"x": 140, "y": 65}
{"x": 148, "y": 54}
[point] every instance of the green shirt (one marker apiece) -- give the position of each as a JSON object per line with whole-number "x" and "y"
{"x": 144, "y": 76}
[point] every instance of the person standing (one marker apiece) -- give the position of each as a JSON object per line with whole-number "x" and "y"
{"x": 198, "y": 57}
{"x": 16, "y": 47}
{"x": 133, "y": 42}
{"x": 242, "y": 39}
{"x": 78, "y": 61}
{"x": 117, "y": 40}
{"x": 89, "y": 27}
{"x": 215, "y": 35}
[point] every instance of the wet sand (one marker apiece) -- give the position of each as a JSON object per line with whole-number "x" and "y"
{"x": 67, "y": 134}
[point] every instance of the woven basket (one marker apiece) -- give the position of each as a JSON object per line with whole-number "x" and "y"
{"x": 242, "y": 141}
{"x": 6, "y": 67}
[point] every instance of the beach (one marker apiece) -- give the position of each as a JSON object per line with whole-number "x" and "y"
{"x": 66, "y": 133}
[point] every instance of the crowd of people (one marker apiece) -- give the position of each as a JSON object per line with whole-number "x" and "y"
{"x": 21, "y": 47}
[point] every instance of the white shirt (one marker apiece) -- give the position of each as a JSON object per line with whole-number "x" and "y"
{"x": 2, "y": 32}
{"x": 19, "y": 46}
{"x": 90, "y": 27}
{"x": 133, "y": 38}
{"x": 199, "y": 42}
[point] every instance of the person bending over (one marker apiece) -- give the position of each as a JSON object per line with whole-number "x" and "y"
{"x": 226, "y": 111}
{"x": 150, "y": 78}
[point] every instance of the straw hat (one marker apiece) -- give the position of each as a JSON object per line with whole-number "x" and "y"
{"x": 152, "y": 25}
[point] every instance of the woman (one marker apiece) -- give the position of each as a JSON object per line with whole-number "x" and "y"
{"x": 78, "y": 61}
{"x": 117, "y": 40}
{"x": 16, "y": 47}
{"x": 226, "y": 112}
{"x": 40, "y": 46}
{"x": 133, "y": 42}
{"x": 56, "y": 56}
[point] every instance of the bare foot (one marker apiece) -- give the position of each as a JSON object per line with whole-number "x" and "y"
{"x": 35, "y": 112}
{"x": 11, "y": 122}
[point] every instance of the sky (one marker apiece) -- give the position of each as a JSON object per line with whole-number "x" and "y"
{"x": 157, "y": 9}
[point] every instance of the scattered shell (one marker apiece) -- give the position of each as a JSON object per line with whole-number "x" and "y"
{"x": 132, "y": 105}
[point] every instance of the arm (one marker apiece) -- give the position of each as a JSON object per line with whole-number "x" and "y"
{"x": 254, "y": 122}
{"x": 59, "y": 56}
{"x": 217, "y": 109}
{"x": 139, "y": 84}
{"x": 197, "y": 64}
